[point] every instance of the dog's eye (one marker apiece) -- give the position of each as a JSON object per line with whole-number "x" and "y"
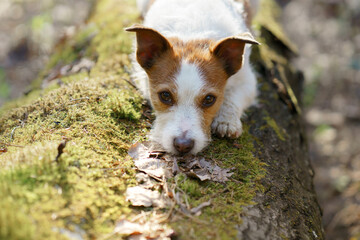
{"x": 208, "y": 101}
{"x": 166, "y": 98}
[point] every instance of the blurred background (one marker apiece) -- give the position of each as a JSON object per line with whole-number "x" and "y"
{"x": 29, "y": 29}
{"x": 327, "y": 33}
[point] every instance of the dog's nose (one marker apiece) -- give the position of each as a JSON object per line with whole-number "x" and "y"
{"x": 183, "y": 145}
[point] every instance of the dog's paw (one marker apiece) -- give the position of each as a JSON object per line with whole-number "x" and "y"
{"x": 229, "y": 126}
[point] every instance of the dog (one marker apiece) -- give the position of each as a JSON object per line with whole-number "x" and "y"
{"x": 192, "y": 63}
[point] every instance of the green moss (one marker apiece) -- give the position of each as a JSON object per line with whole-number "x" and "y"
{"x": 12, "y": 218}
{"x": 282, "y": 236}
{"x": 99, "y": 115}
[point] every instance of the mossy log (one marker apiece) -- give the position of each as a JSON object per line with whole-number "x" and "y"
{"x": 52, "y": 191}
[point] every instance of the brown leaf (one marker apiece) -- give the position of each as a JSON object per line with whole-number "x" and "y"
{"x": 158, "y": 164}
{"x": 205, "y": 170}
{"x": 145, "y": 181}
{"x": 147, "y": 230}
{"x": 144, "y": 160}
{"x": 218, "y": 174}
{"x": 139, "y": 196}
{"x": 201, "y": 174}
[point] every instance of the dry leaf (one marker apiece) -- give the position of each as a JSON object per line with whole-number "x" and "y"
{"x": 158, "y": 164}
{"x": 205, "y": 170}
{"x": 128, "y": 228}
{"x": 218, "y": 174}
{"x": 139, "y": 196}
{"x": 82, "y": 65}
{"x": 148, "y": 230}
{"x": 144, "y": 160}
{"x": 200, "y": 174}
{"x": 144, "y": 181}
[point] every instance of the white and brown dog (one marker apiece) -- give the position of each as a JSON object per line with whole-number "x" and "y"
{"x": 193, "y": 65}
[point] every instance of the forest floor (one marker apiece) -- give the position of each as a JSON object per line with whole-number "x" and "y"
{"x": 328, "y": 37}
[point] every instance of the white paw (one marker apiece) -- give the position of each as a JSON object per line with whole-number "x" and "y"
{"x": 227, "y": 125}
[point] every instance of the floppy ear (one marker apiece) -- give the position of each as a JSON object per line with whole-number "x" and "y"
{"x": 150, "y": 45}
{"x": 230, "y": 51}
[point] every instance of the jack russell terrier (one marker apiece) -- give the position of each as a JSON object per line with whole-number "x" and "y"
{"x": 192, "y": 63}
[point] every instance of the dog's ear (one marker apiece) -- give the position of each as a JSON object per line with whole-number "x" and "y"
{"x": 150, "y": 45}
{"x": 230, "y": 51}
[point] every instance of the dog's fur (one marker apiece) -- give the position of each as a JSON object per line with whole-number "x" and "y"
{"x": 193, "y": 49}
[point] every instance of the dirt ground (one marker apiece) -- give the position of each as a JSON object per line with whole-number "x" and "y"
{"x": 327, "y": 33}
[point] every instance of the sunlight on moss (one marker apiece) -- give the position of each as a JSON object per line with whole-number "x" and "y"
{"x": 95, "y": 114}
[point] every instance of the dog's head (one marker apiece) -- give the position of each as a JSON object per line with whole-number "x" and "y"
{"x": 187, "y": 83}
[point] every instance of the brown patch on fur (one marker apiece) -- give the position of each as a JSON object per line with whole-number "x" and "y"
{"x": 150, "y": 45}
{"x": 208, "y": 114}
{"x": 162, "y": 78}
{"x": 162, "y": 74}
{"x": 198, "y": 52}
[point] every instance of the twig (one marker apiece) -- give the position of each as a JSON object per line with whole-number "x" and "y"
{"x": 169, "y": 213}
{"x": 197, "y": 209}
{"x": 130, "y": 82}
{"x": 151, "y": 175}
{"x": 12, "y": 132}
{"x": 60, "y": 150}
{"x": 78, "y": 99}
{"x": 191, "y": 217}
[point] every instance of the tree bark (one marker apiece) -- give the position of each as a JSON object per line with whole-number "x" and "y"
{"x": 288, "y": 208}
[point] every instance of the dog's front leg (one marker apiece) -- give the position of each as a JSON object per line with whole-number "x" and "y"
{"x": 240, "y": 93}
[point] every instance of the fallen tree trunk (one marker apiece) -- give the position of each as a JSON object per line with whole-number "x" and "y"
{"x": 76, "y": 189}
